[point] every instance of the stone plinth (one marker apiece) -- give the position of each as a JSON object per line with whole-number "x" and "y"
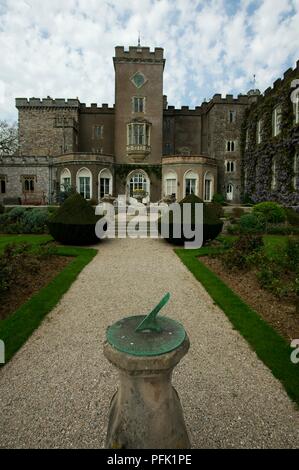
{"x": 145, "y": 412}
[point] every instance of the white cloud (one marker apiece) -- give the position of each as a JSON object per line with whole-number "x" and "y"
{"x": 65, "y": 48}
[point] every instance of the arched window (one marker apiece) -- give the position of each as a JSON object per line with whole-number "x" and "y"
{"x": 277, "y": 120}
{"x": 230, "y": 166}
{"x": 230, "y": 146}
{"x": 65, "y": 180}
{"x": 208, "y": 187}
{"x": 229, "y": 192}
{"x": 191, "y": 183}
{"x": 170, "y": 184}
{"x": 105, "y": 183}
{"x": 138, "y": 182}
{"x": 84, "y": 183}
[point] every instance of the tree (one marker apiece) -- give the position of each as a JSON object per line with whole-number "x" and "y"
{"x": 8, "y": 138}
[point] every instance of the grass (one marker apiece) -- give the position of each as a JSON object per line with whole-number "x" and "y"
{"x": 270, "y": 347}
{"x": 271, "y": 242}
{"x": 32, "y": 239}
{"x": 16, "y": 329}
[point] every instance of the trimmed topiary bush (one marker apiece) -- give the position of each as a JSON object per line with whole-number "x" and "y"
{"x": 212, "y": 225}
{"x": 252, "y": 223}
{"x": 219, "y": 198}
{"x": 74, "y": 222}
{"x": 292, "y": 216}
{"x": 273, "y": 212}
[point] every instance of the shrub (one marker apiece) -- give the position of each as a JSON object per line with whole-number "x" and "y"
{"x": 74, "y": 222}
{"x": 34, "y": 221}
{"x": 243, "y": 247}
{"x": 292, "y": 217}
{"x": 2, "y": 209}
{"x": 246, "y": 199}
{"x": 219, "y": 198}
{"x": 212, "y": 225}
{"x": 292, "y": 251}
{"x": 252, "y": 223}
{"x": 216, "y": 208}
{"x": 273, "y": 212}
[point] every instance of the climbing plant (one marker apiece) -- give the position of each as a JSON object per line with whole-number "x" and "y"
{"x": 257, "y": 158}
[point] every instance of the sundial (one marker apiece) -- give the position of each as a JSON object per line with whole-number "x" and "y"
{"x": 147, "y": 335}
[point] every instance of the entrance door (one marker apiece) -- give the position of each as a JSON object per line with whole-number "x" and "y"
{"x": 229, "y": 192}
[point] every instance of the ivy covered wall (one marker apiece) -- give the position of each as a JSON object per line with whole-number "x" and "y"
{"x": 257, "y": 159}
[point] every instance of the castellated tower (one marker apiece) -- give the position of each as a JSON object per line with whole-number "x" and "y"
{"x": 138, "y": 105}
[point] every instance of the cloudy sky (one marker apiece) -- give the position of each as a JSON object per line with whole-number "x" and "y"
{"x": 64, "y": 48}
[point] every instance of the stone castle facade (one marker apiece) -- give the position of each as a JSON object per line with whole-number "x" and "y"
{"x": 140, "y": 145}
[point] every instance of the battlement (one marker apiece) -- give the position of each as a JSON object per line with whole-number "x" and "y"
{"x": 183, "y": 110}
{"x": 139, "y": 54}
{"x": 94, "y": 108}
{"x": 291, "y": 72}
{"x": 47, "y": 103}
{"x": 228, "y": 99}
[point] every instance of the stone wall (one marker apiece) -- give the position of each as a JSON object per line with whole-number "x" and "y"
{"x": 15, "y": 168}
{"x": 47, "y": 127}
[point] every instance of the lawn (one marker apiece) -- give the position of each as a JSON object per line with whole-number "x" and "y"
{"x": 270, "y": 347}
{"x": 32, "y": 239}
{"x": 16, "y": 329}
{"x": 271, "y": 242}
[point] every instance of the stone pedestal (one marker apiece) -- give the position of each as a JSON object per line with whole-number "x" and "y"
{"x": 145, "y": 412}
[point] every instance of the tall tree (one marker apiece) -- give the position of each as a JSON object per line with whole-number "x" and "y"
{"x": 8, "y": 138}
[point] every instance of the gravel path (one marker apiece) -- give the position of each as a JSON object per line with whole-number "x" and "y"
{"x": 56, "y": 391}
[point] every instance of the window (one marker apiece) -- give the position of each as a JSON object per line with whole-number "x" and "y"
{"x": 105, "y": 180}
{"x": 167, "y": 149}
{"x": 137, "y": 182}
{"x": 98, "y": 132}
{"x": 277, "y": 121}
{"x": 171, "y": 184}
{"x": 190, "y": 183}
{"x": 273, "y": 179}
{"x": 232, "y": 117}
{"x": 229, "y": 192}
{"x": 230, "y": 166}
{"x": 296, "y": 107}
{"x": 28, "y": 184}
{"x": 138, "y": 104}
{"x": 296, "y": 172}
{"x": 84, "y": 183}
{"x": 65, "y": 180}
{"x": 138, "y": 134}
{"x": 2, "y": 185}
{"x": 230, "y": 146}
{"x": 208, "y": 182}
{"x": 259, "y": 131}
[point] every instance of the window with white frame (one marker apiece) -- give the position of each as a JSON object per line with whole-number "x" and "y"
{"x": 190, "y": 183}
{"x": 273, "y": 174}
{"x": 170, "y": 184}
{"x": 84, "y": 183}
{"x": 105, "y": 183}
{"x": 296, "y": 107}
{"x": 138, "y": 182}
{"x": 277, "y": 120}
{"x": 230, "y": 192}
{"x": 296, "y": 171}
{"x": 259, "y": 131}
{"x": 232, "y": 116}
{"x": 65, "y": 180}
{"x": 230, "y": 166}
{"x": 138, "y": 134}
{"x": 138, "y": 104}
{"x": 208, "y": 187}
{"x": 230, "y": 145}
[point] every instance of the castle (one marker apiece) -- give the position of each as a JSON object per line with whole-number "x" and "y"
{"x": 143, "y": 144}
